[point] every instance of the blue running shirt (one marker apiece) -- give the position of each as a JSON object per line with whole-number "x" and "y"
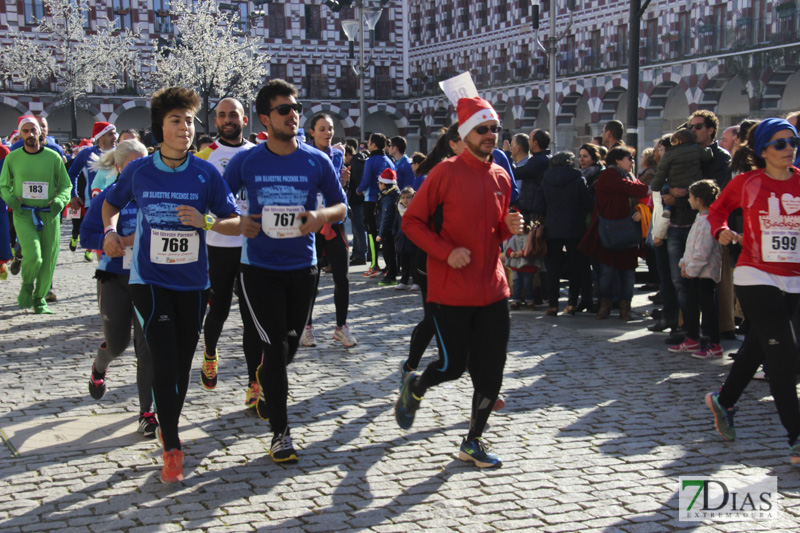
{"x": 92, "y": 231}
{"x": 158, "y": 190}
{"x": 289, "y": 180}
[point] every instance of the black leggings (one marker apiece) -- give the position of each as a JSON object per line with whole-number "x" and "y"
{"x": 557, "y": 260}
{"x": 338, "y": 257}
{"x": 371, "y": 224}
{"x": 280, "y": 304}
{"x": 700, "y": 298}
{"x": 770, "y": 340}
{"x": 475, "y": 339}
{"x": 425, "y": 330}
{"x": 223, "y": 269}
{"x": 171, "y": 321}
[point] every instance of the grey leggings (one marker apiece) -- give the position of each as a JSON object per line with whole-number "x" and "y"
{"x": 116, "y": 311}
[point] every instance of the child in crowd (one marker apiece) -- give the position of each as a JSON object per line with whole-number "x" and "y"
{"x": 702, "y": 266}
{"x": 523, "y": 269}
{"x": 680, "y": 167}
{"x": 387, "y": 211}
{"x": 404, "y": 247}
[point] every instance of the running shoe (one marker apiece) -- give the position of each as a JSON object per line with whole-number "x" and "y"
{"x": 376, "y": 272}
{"x": 403, "y": 373}
{"x": 400, "y": 286}
{"x": 16, "y": 264}
{"x": 688, "y": 345}
{"x": 344, "y": 336}
{"x": 87, "y": 256}
{"x": 723, "y": 418}
{"x": 369, "y": 272}
{"x": 148, "y": 424}
{"x": 387, "y": 283}
{"x": 3, "y": 272}
{"x": 97, "y": 384}
{"x": 40, "y": 307}
{"x": 475, "y": 450}
{"x": 252, "y": 395}
{"x": 73, "y": 244}
{"x": 712, "y": 351}
{"x": 261, "y": 404}
{"x": 499, "y": 404}
{"x": 407, "y": 404}
{"x": 172, "y": 471}
{"x": 208, "y": 373}
{"x": 415, "y": 287}
{"x": 308, "y": 337}
{"x": 51, "y": 297}
{"x": 794, "y": 453}
{"x": 282, "y": 450}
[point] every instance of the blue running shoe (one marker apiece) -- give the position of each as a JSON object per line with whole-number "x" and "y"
{"x": 407, "y": 404}
{"x": 403, "y": 373}
{"x": 475, "y": 450}
{"x": 723, "y": 418}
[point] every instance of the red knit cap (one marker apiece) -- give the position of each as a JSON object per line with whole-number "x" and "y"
{"x": 474, "y": 111}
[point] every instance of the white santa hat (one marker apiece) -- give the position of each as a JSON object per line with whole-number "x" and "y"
{"x": 28, "y": 119}
{"x": 101, "y": 128}
{"x": 474, "y": 111}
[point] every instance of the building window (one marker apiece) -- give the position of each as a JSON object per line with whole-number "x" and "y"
{"x": 277, "y": 21}
{"x": 447, "y": 18}
{"x": 524, "y": 8}
{"x": 463, "y": 17}
{"x": 163, "y": 22}
{"x": 382, "y": 29}
{"x": 313, "y": 22}
{"x": 622, "y": 45}
{"x": 278, "y": 71}
{"x": 83, "y": 5}
{"x": 241, "y": 23}
{"x": 720, "y": 27}
{"x": 348, "y": 83}
{"x": 594, "y": 51}
{"x": 383, "y": 83}
{"x": 651, "y": 40}
{"x": 502, "y": 10}
{"x": 34, "y": 12}
{"x": 121, "y": 14}
{"x": 483, "y": 14}
{"x": 317, "y": 84}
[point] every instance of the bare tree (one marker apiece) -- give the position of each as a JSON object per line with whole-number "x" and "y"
{"x": 210, "y": 52}
{"x": 62, "y": 52}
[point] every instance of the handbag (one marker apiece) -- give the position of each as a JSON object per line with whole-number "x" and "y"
{"x": 535, "y": 243}
{"x": 621, "y": 234}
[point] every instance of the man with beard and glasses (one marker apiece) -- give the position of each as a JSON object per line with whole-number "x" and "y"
{"x": 35, "y": 185}
{"x": 278, "y": 272}
{"x": 224, "y": 252}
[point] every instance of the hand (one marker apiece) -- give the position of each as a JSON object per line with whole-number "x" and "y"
{"x": 684, "y": 274}
{"x": 657, "y": 241}
{"x": 359, "y": 193}
{"x": 637, "y": 217}
{"x": 678, "y": 192}
{"x": 668, "y": 199}
{"x": 189, "y": 216}
{"x": 250, "y": 225}
{"x": 339, "y": 147}
{"x": 345, "y": 177}
{"x": 378, "y": 238}
{"x": 459, "y": 258}
{"x": 515, "y": 223}
{"x": 76, "y": 203}
{"x": 312, "y": 222}
{"x": 113, "y": 245}
{"x": 727, "y": 236}
{"x": 506, "y": 146}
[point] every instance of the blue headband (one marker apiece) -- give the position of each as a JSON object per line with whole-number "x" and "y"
{"x": 766, "y": 129}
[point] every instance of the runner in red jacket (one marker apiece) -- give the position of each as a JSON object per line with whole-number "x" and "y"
{"x": 460, "y": 218}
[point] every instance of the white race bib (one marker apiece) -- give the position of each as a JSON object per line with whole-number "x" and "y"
{"x": 281, "y": 221}
{"x": 780, "y": 246}
{"x": 242, "y": 204}
{"x": 174, "y": 247}
{"x": 73, "y": 213}
{"x": 34, "y": 190}
{"x": 127, "y": 259}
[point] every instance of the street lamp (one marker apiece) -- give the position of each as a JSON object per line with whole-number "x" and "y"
{"x": 353, "y": 28}
{"x": 552, "y": 50}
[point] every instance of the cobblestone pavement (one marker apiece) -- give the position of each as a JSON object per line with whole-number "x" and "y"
{"x": 600, "y": 423}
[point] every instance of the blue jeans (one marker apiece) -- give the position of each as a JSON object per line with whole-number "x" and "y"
{"x": 676, "y": 245}
{"x": 615, "y": 278}
{"x": 668, "y": 297}
{"x": 523, "y": 286}
{"x": 359, "y": 232}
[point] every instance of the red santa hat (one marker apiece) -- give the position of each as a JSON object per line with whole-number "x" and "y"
{"x": 262, "y": 137}
{"x": 388, "y": 176}
{"x": 28, "y": 119}
{"x": 101, "y": 128}
{"x": 85, "y": 143}
{"x": 474, "y": 111}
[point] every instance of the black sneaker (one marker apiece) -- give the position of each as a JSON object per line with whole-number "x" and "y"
{"x": 51, "y": 297}
{"x": 15, "y": 265}
{"x": 282, "y": 450}
{"x": 357, "y": 261}
{"x": 148, "y": 424}
{"x": 97, "y": 384}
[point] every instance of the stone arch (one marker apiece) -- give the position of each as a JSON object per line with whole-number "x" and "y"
{"x": 569, "y": 103}
{"x": 531, "y": 112}
{"x": 61, "y": 125}
{"x": 791, "y": 99}
{"x": 611, "y": 103}
{"x": 134, "y": 116}
{"x": 398, "y": 117}
{"x": 775, "y": 90}
{"x": 713, "y": 89}
{"x": 335, "y": 111}
{"x": 381, "y": 122}
{"x": 733, "y": 105}
{"x": 441, "y": 117}
{"x": 10, "y": 111}
{"x": 126, "y": 106}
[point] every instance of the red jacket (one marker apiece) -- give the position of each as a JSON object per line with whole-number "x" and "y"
{"x": 752, "y": 191}
{"x": 474, "y": 196}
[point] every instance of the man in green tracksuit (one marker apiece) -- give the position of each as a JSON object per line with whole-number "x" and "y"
{"x": 35, "y": 185}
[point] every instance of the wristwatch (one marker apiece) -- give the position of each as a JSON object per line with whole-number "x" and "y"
{"x": 209, "y": 222}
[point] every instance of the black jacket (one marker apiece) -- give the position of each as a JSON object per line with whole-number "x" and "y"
{"x": 563, "y": 198}
{"x": 528, "y": 177}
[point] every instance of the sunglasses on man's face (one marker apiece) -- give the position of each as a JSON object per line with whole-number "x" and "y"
{"x": 481, "y": 130}
{"x": 284, "y": 109}
{"x": 780, "y": 144}
{"x": 698, "y": 126}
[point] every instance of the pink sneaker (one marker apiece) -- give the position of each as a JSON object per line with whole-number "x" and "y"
{"x": 712, "y": 351}
{"x": 687, "y": 346}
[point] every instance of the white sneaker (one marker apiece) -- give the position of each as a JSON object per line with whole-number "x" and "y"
{"x": 400, "y": 287}
{"x": 415, "y": 287}
{"x": 308, "y": 337}
{"x": 343, "y": 334}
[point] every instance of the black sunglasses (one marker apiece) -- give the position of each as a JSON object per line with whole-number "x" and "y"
{"x": 698, "y": 127}
{"x": 481, "y": 130}
{"x": 780, "y": 144}
{"x": 284, "y": 109}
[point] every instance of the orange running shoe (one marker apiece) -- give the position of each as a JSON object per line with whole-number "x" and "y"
{"x": 172, "y": 472}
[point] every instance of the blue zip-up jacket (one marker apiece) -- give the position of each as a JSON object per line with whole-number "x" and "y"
{"x": 377, "y": 163}
{"x": 405, "y": 176}
{"x": 388, "y": 208}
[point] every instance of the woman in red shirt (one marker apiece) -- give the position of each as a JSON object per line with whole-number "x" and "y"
{"x": 767, "y": 275}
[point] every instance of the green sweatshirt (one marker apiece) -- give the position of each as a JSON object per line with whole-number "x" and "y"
{"x": 35, "y": 180}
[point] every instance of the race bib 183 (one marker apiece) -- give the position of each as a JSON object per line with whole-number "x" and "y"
{"x": 281, "y": 221}
{"x": 35, "y": 190}
{"x": 169, "y": 247}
